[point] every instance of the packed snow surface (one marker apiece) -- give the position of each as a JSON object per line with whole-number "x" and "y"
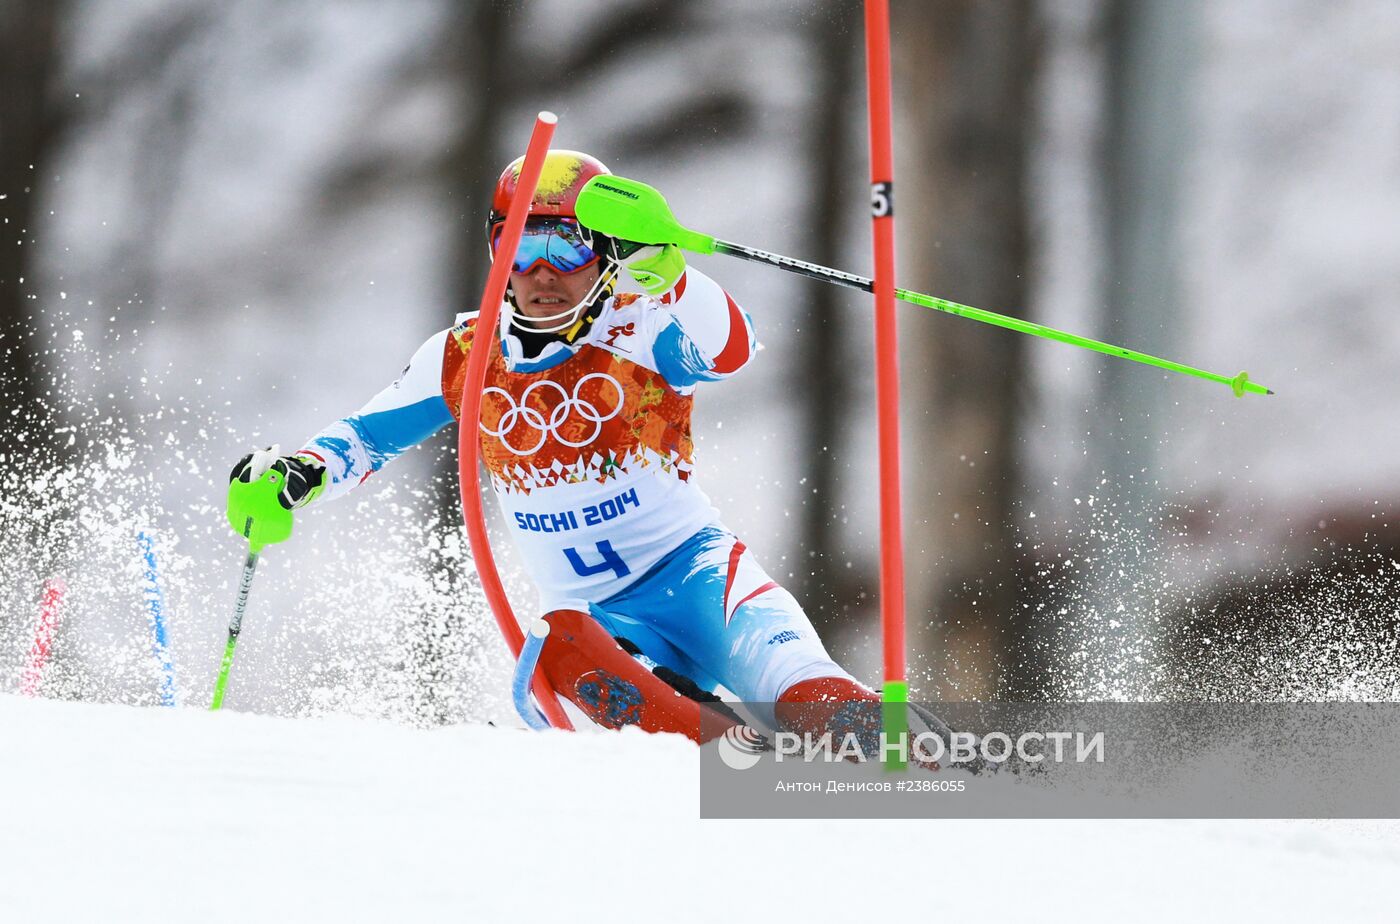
{"x": 118, "y": 813}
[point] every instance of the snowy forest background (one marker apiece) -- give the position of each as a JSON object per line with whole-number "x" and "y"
{"x": 224, "y": 224}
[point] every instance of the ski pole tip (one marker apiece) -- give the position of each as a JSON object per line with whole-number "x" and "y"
{"x": 1241, "y": 384}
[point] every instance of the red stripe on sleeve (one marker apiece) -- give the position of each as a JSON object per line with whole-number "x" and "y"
{"x": 771, "y": 585}
{"x": 734, "y": 555}
{"x": 736, "y": 349}
{"x": 676, "y": 291}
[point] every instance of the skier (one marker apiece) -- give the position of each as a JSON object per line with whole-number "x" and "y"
{"x": 585, "y": 431}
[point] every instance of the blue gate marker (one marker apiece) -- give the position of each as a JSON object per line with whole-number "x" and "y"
{"x": 155, "y": 615}
{"x": 525, "y": 673}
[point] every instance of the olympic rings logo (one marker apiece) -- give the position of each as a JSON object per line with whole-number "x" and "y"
{"x": 535, "y": 419}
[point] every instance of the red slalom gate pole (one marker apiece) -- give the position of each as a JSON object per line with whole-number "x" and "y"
{"x": 50, "y": 604}
{"x": 468, "y": 437}
{"x": 877, "y": 62}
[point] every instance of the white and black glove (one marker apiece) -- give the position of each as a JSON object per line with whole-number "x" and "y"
{"x": 303, "y": 478}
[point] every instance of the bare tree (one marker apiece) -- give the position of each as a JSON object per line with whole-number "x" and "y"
{"x": 1148, "y": 50}
{"x": 964, "y": 91}
{"x": 29, "y": 128}
{"x": 1148, "y": 63}
{"x": 478, "y": 51}
{"x": 835, "y": 37}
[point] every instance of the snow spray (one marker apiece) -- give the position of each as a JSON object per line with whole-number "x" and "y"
{"x": 50, "y": 603}
{"x": 155, "y": 615}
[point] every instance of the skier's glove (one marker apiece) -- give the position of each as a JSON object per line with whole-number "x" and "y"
{"x": 303, "y": 478}
{"x": 655, "y": 267}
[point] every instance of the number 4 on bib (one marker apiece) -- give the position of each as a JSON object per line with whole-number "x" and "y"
{"x": 611, "y": 561}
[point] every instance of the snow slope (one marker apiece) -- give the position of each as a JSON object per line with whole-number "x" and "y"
{"x": 115, "y": 813}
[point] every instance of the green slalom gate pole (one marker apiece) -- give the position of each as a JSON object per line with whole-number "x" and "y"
{"x": 633, "y": 211}
{"x": 264, "y": 521}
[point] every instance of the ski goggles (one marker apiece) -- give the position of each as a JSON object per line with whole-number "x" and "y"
{"x": 557, "y": 242}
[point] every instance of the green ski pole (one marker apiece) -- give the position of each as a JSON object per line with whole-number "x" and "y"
{"x": 633, "y": 211}
{"x": 255, "y": 513}
{"x": 250, "y": 565}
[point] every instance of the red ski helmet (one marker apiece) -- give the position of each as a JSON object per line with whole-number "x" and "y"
{"x": 561, "y": 178}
